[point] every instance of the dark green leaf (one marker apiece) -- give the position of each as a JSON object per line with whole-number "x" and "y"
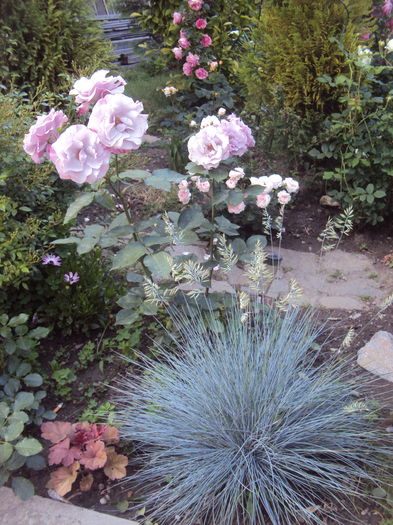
{"x": 80, "y": 202}
{"x": 28, "y": 447}
{"x": 134, "y": 174}
{"x": 190, "y": 218}
{"x": 169, "y": 175}
{"x": 159, "y": 263}
{"x": 22, "y": 488}
{"x": 33, "y": 380}
{"x": 6, "y": 450}
{"x": 126, "y": 317}
{"x": 128, "y": 255}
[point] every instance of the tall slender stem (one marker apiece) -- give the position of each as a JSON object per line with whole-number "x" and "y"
{"x": 211, "y": 242}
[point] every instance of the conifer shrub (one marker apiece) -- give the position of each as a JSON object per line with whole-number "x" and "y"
{"x": 291, "y": 46}
{"x": 246, "y": 423}
{"x": 50, "y": 39}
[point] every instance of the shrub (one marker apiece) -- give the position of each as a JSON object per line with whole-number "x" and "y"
{"x": 291, "y": 46}
{"x": 52, "y": 38}
{"x": 246, "y": 423}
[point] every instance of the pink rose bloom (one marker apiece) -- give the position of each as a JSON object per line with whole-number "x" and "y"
{"x": 192, "y": 59}
{"x": 204, "y": 186}
{"x": 184, "y": 43}
{"x": 183, "y": 185}
{"x": 240, "y": 136}
{"x": 206, "y": 41}
{"x": 119, "y": 123}
{"x": 208, "y": 147}
{"x": 195, "y": 5}
{"x": 79, "y": 155}
{"x": 178, "y": 52}
{"x": 184, "y": 196}
{"x": 42, "y": 133}
{"x": 201, "y": 73}
{"x": 236, "y": 173}
{"x": 187, "y": 69}
{"x": 213, "y": 65}
{"x": 177, "y": 18}
{"x": 237, "y": 209}
{"x": 200, "y": 23}
{"x": 387, "y": 8}
{"x": 89, "y": 90}
{"x": 275, "y": 181}
{"x": 291, "y": 185}
{"x": 283, "y": 197}
{"x": 231, "y": 183}
{"x": 262, "y": 181}
{"x": 263, "y": 200}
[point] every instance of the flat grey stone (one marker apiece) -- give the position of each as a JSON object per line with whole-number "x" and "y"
{"x": 341, "y": 302}
{"x": 150, "y": 139}
{"x": 43, "y": 511}
{"x": 377, "y": 355}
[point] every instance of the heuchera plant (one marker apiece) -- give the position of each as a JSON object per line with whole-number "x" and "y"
{"x": 82, "y": 448}
{"x": 116, "y": 125}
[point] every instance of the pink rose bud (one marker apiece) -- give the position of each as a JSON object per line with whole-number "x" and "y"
{"x": 206, "y": 41}
{"x": 184, "y": 196}
{"x": 231, "y": 183}
{"x": 178, "y": 52}
{"x": 237, "y": 209}
{"x": 177, "y": 18}
{"x": 183, "y": 185}
{"x": 184, "y": 42}
{"x": 200, "y": 23}
{"x": 201, "y": 73}
{"x": 79, "y": 155}
{"x": 283, "y": 197}
{"x": 119, "y": 123}
{"x": 263, "y": 200}
{"x": 192, "y": 59}
{"x": 275, "y": 180}
{"x": 187, "y": 69}
{"x": 213, "y": 65}
{"x": 42, "y": 133}
{"x": 291, "y": 185}
{"x": 204, "y": 186}
{"x": 89, "y": 90}
{"x": 195, "y": 5}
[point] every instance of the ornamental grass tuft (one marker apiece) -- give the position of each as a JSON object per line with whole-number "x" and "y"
{"x": 247, "y": 424}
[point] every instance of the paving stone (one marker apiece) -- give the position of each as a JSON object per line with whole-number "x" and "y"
{"x": 150, "y": 139}
{"x": 45, "y": 511}
{"x": 377, "y": 355}
{"x": 341, "y": 302}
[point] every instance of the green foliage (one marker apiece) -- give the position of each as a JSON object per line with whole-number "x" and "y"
{"x": 354, "y": 147}
{"x": 291, "y": 46}
{"x": 104, "y": 413}
{"x": 20, "y": 401}
{"x": 32, "y": 199}
{"x": 51, "y": 39}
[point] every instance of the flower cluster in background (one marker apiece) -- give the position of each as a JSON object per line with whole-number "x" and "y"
{"x": 82, "y": 153}
{"x": 52, "y": 259}
{"x": 194, "y": 40}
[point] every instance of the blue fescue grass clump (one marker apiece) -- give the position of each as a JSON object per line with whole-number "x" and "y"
{"x": 247, "y": 425}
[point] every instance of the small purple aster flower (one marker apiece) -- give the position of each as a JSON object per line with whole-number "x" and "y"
{"x": 51, "y": 258}
{"x": 71, "y": 277}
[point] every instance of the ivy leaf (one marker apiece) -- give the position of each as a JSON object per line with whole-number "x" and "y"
{"x": 115, "y": 467}
{"x": 6, "y": 450}
{"x": 28, "y": 447}
{"x": 80, "y": 202}
{"x": 56, "y": 431}
{"x": 128, "y": 255}
{"x": 61, "y": 480}
{"x": 22, "y": 488}
{"x": 94, "y": 457}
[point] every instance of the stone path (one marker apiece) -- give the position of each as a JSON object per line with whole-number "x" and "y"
{"x": 339, "y": 280}
{"x": 43, "y": 511}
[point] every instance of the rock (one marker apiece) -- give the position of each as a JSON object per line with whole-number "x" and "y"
{"x": 377, "y": 355}
{"x": 150, "y": 139}
{"x": 326, "y": 200}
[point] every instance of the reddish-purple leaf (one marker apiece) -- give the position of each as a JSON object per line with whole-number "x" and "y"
{"x": 62, "y": 453}
{"x": 56, "y": 431}
{"x": 94, "y": 456}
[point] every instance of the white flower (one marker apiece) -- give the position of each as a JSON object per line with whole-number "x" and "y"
{"x": 169, "y": 91}
{"x": 236, "y": 173}
{"x": 365, "y": 56}
{"x": 221, "y": 112}
{"x": 291, "y": 184}
{"x": 193, "y": 124}
{"x": 283, "y": 197}
{"x": 275, "y": 180}
{"x": 389, "y": 45}
{"x": 211, "y": 120}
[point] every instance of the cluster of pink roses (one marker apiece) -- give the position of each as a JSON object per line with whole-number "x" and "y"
{"x": 81, "y": 153}
{"x": 198, "y": 23}
{"x": 271, "y": 183}
{"x": 382, "y": 11}
{"x": 218, "y": 140}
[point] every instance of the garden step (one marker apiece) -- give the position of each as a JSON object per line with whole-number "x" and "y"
{"x": 44, "y": 511}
